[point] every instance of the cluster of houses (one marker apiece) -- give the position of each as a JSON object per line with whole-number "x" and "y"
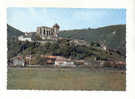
{"x": 56, "y": 61}
{"x": 59, "y": 61}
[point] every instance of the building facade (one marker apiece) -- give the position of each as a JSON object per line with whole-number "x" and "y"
{"x": 28, "y": 36}
{"x": 45, "y": 32}
{"x": 24, "y": 38}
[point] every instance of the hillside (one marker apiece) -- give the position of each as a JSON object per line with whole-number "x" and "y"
{"x": 61, "y": 48}
{"x": 113, "y": 36}
{"x": 13, "y": 32}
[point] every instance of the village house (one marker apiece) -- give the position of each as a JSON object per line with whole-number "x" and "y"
{"x": 28, "y": 59}
{"x": 79, "y": 62}
{"x": 24, "y": 38}
{"x": 78, "y": 42}
{"x": 115, "y": 64}
{"x": 63, "y": 62}
{"x": 104, "y": 47}
{"x": 28, "y": 36}
{"x": 18, "y": 61}
{"x": 49, "y": 59}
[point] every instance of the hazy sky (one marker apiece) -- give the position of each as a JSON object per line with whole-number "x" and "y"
{"x": 27, "y": 19}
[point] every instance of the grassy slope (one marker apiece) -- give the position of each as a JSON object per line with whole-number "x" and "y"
{"x": 61, "y": 79}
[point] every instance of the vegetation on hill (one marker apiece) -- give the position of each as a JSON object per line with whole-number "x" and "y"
{"x": 13, "y": 45}
{"x": 61, "y": 48}
{"x": 113, "y": 36}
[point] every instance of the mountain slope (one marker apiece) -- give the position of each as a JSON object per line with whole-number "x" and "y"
{"x": 13, "y": 32}
{"x": 13, "y": 45}
{"x": 113, "y": 36}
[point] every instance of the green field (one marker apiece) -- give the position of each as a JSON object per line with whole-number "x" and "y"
{"x": 65, "y": 79}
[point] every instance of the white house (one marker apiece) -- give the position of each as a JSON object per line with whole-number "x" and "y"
{"x": 24, "y": 38}
{"x": 104, "y": 48}
{"x": 18, "y": 61}
{"x": 62, "y": 62}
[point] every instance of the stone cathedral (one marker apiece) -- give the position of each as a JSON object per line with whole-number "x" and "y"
{"x": 45, "y": 32}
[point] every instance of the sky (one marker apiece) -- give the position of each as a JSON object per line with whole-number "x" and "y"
{"x": 27, "y": 19}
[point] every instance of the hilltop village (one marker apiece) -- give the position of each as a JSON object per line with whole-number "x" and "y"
{"x": 45, "y": 48}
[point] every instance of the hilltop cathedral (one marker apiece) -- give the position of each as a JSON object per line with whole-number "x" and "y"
{"x": 45, "y": 32}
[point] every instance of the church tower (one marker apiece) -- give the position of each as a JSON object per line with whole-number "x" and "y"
{"x": 56, "y": 28}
